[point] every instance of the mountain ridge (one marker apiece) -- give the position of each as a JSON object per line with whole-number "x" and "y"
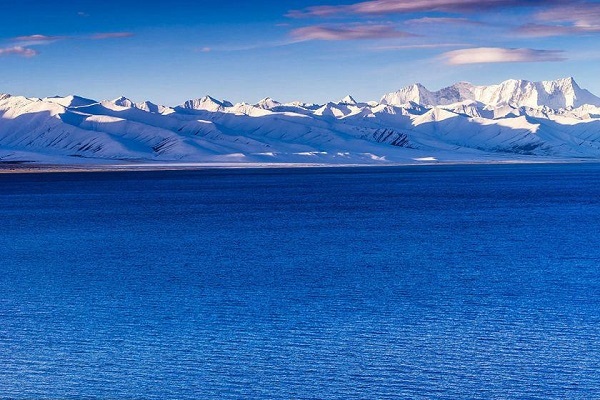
{"x": 512, "y": 120}
{"x": 560, "y": 93}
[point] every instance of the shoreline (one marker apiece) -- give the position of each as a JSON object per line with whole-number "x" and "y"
{"x": 41, "y": 168}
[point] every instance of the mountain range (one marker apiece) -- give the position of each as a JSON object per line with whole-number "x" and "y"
{"x": 514, "y": 120}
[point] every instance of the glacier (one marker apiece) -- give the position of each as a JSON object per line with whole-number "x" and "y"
{"x": 515, "y": 120}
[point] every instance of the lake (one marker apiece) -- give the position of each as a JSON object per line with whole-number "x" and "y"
{"x": 449, "y": 282}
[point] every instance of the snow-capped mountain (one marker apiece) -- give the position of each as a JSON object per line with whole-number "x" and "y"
{"x": 511, "y": 120}
{"x": 561, "y": 93}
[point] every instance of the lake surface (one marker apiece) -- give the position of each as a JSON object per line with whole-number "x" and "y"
{"x": 447, "y": 282}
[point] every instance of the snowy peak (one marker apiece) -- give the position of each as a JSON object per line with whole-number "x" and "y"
{"x": 416, "y": 93}
{"x": 348, "y": 100}
{"x": 267, "y": 104}
{"x": 515, "y": 93}
{"x": 458, "y": 93}
{"x": 153, "y": 108}
{"x": 123, "y": 102}
{"x": 558, "y": 94}
{"x": 70, "y": 101}
{"x": 568, "y": 93}
{"x": 144, "y": 106}
{"x": 207, "y": 103}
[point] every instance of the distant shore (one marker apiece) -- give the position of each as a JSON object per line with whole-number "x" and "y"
{"x": 29, "y": 167}
{"x": 35, "y": 168}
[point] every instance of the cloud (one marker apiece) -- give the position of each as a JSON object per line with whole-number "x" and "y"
{"x": 356, "y": 32}
{"x": 374, "y": 7}
{"x": 482, "y": 55}
{"x": 38, "y": 38}
{"x": 443, "y": 20}
{"x": 18, "y": 51}
{"x": 419, "y": 46}
{"x": 111, "y": 35}
{"x": 249, "y": 47}
{"x": 541, "y": 30}
{"x": 580, "y": 17}
{"x": 581, "y": 13}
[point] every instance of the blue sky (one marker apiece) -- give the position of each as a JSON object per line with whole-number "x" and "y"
{"x": 312, "y": 50}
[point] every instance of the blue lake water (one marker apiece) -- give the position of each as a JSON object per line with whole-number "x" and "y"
{"x": 453, "y": 282}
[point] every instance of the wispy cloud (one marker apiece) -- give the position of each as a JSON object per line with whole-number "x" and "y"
{"x": 418, "y": 46}
{"x": 247, "y": 47}
{"x": 38, "y": 38}
{"x": 411, "y": 6}
{"x": 351, "y": 32}
{"x": 442, "y": 21}
{"x": 484, "y": 55}
{"x": 111, "y": 35}
{"x": 18, "y": 51}
{"x": 576, "y": 18}
{"x": 22, "y": 44}
{"x": 582, "y": 14}
{"x": 541, "y": 30}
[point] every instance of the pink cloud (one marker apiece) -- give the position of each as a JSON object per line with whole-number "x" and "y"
{"x": 111, "y": 35}
{"x": 353, "y": 32}
{"x": 567, "y": 19}
{"x": 18, "y": 51}
{"x": 443, "y": 20}
{"x": 411, "y": 6}
{"x": 38, "y": 38}
{"x": 541, "y": 30}
{"x": 484, "y": 55}
{"x": 580, "y": 14}
{"x": 419, "y": 46}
